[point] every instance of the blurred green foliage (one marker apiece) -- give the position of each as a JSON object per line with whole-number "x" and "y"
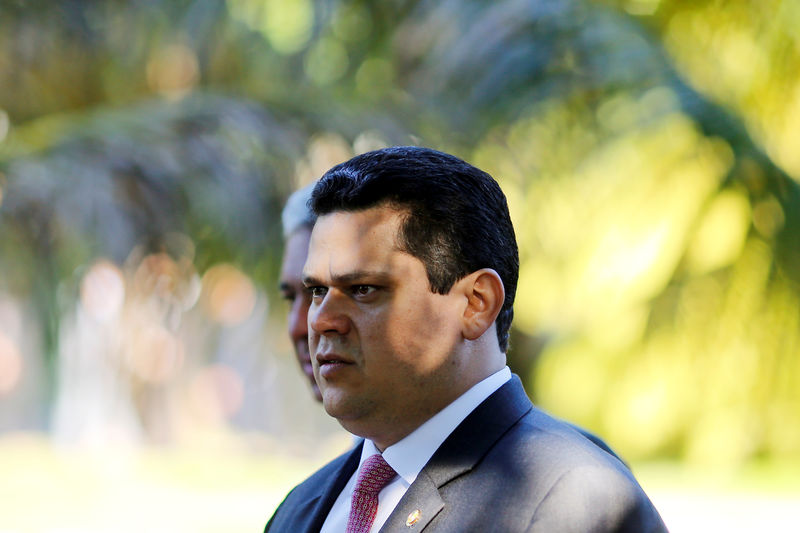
{"x": 646, "y": 147}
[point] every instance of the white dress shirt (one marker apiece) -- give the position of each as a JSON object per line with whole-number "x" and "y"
{"x": 409, "y": 455}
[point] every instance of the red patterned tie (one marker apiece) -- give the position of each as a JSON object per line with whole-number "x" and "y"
{"x": 374, "y": 475}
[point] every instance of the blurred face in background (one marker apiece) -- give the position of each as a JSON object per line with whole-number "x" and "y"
{"x": 293, "y": 291}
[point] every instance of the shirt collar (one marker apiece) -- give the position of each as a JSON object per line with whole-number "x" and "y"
{"x": 410, "y": 454}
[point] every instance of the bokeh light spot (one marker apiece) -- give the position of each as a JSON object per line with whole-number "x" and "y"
{"x": 287, "y": 25}
{"x": 367, "y": 141}
{"x": 722, "y": 232}
{"x": 173, "y": 70}
{"x": 156, "y": 355}
{"x": 229, "y": 295}
{"x": 158, "y": 275}
{"x": 103, "y": 291}
{"x": 768, "y": 217}
{"x": 641, "y": 7}
{"x": 374, "y": 76}
{"x": 10, "y": 364}
{"x": 326, "y": 61}
{"x": 5, "y": 125}
{"x": 216, "y": 393}
{"x": 352, "y": 23}
{"x": 324, "y": 151}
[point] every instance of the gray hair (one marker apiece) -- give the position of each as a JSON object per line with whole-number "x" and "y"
{"x": 296, "y": 213}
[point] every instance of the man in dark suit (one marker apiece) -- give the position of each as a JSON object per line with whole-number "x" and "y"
{"x": 412, "y": 269}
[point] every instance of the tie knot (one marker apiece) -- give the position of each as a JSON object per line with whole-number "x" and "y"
{"x": 374, "y": 475}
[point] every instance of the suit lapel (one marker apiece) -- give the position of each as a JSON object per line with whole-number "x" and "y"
{"x": 320, "y": 505}
{"x": 459, "y": 454}
{"x": 420, "y": 504}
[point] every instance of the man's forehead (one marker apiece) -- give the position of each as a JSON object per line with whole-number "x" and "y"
{"x": 361, "y": 244}
{"x": 378, "y": 225}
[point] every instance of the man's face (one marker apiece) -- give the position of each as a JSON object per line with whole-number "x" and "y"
{"x": 382, "y": 344}
{"x": 294, "y": 292}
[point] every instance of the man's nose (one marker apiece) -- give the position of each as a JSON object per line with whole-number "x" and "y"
{"x": 329, "y": 317}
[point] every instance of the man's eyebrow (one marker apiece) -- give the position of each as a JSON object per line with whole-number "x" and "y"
{"x": 350, "y": 277}
{"x": 310, "y": 281}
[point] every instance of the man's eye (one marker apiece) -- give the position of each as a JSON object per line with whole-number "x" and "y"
{"x": 318, "y": 292}
{"x": 288, "y": 296}
{"x": 363, "y": 290}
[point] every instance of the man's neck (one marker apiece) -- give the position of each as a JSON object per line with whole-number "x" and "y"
{"x": 395, "y": 432}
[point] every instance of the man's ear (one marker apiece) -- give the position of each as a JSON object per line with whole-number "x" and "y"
{"x": 485, "y": 295}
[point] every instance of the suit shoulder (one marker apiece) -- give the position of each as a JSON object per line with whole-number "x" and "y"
{"x": 580, "y": 483}
{"x": 591, "y": 497}
{"x": 563, "y": 443}
{"x": 321, "y": 476}
{"x": 298, "y": 506}
{"x": 542, "y": 452}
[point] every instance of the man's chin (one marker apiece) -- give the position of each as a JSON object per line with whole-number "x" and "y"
{"x": 336, "y": 404}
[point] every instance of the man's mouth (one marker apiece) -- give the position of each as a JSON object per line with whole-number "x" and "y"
{"x": 330, "y": 364}
{"x": 332, "y": 358}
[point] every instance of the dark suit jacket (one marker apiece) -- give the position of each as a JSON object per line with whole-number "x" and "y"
{"x": 507, "y": 467}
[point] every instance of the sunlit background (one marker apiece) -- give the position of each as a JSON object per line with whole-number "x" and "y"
{"x": 648, "y": 151}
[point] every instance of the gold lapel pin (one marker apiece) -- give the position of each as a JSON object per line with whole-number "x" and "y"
{"x": 413, "y": 517}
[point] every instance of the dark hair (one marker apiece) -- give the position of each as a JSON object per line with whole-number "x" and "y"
{"x": 457, "y": 217}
